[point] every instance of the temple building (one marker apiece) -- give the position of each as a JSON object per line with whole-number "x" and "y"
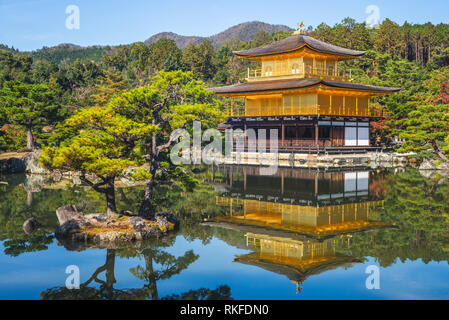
{"x": 301, "y": 91}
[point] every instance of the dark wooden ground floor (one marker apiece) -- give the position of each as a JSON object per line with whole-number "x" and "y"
{"x": 306, "y": 135}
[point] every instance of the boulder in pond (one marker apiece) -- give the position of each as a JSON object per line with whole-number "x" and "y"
{"x": 67, "y": 213}
{"x": 110, "y": 231}
{"x": 31, "y": 225}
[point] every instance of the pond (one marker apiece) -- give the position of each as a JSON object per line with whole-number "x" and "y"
{"x": 296, "y": 235}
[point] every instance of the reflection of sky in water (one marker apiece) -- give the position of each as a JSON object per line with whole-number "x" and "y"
{"x": 26, "y": 276}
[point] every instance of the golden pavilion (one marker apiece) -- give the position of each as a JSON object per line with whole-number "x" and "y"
{"x": 301, "y": 91}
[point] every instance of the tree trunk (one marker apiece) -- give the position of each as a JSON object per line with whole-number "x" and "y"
{"x": 438, "y": 151}
{"x": 416, "y": 52}
{"x": 110, "y": 273}
{"x": 30, "y": 139}
{"x": 110, "y": 197}
{"x": 152, "y": 283}
{"x": 145, "y": 208}
{"x": 29, "y": 198}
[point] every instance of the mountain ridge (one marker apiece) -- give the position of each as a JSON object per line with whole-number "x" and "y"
{"x": 243, "y": 32}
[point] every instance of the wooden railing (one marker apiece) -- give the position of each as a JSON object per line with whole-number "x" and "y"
{"x": 239, "y": 112}
{"x": 303, "y": 72}
{"x": 235, "y": 112}
{"x": 376, "y": 113}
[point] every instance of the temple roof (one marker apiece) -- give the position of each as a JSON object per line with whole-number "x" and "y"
{"x": 296, "y": 42}
{"x": 291, "y": 84}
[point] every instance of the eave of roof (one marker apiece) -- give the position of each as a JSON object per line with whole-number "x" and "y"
{"x": 297, "y": 42}
{"x": 292, "y": 84}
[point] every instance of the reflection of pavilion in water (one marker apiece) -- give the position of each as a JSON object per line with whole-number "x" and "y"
{"x": 318, "y": 204}
{"x": 296, "y": 259}
{"x": 298, "y": 221}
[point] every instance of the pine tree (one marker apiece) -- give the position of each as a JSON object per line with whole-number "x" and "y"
{"x": 425, "y": 130}
{"x": 110, "y": 84}
{"x": 101, "y": 149}
{"x": 173, "y": 100}
{"x": 28, "y": 105}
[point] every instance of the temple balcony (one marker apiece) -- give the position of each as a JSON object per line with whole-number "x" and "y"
{"x": 300, "y": 71}
{"x": 241, "y": 112}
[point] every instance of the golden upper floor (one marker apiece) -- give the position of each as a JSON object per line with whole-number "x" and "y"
{"x": 299, "y": 56}
{"x": 299, "y": 67}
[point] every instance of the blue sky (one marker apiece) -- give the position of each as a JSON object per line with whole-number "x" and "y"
{"x": 32, "y": 24}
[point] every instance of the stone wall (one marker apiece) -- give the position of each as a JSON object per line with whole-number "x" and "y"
{"x": 292, "y": 160}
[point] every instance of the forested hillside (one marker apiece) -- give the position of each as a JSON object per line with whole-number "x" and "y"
{"x": 5, "y": 47}
{"x": 70, "y": 53}
{"x": 414, "y": 57}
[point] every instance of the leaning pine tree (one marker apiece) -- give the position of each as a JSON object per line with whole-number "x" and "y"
{"x": 100, "y": 146}
{"x": 173, "y": 100}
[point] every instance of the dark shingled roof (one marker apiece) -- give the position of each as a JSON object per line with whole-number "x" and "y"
{"x": 295, "y": 42}
{"x": 278, "y": 85}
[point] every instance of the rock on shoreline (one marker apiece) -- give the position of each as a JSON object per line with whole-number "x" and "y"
{"x": 429, "y": 168}
{"x": 109, "y": 231}
{"x": 12, "y": 165}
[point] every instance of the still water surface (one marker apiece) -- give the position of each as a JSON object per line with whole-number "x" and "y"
{"x": 300, "y": 234}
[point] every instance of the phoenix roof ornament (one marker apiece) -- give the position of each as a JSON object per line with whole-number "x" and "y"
{"x": 300, "y": 26}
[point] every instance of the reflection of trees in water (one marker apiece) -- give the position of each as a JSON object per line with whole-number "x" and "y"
{"x": 19, "y": 201}
{"x": 419, "y": 207}
{"x": 193, "y": 209}
{"x": 159, "y": 265}
{"x": 17, "y": 204}
{"x": 170, "y": 266}
{"x": 220, "y": 293}
{"x": 106, "y": 290}
{"x": 23, "y": 243}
